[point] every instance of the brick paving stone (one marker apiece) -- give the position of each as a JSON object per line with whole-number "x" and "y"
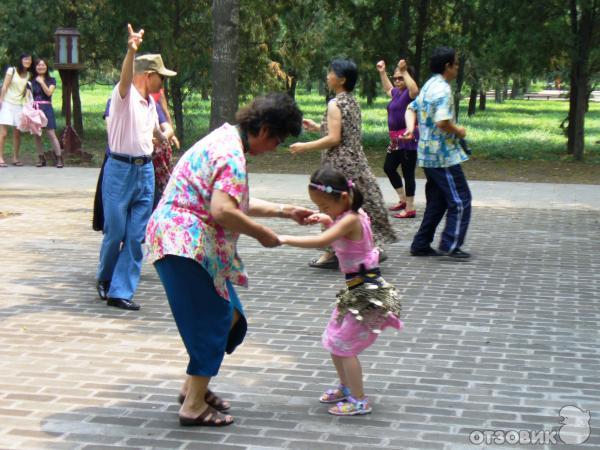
{"x": 501, "y": 341}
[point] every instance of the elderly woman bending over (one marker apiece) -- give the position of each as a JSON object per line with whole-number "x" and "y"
{"x": 192, "y": 238}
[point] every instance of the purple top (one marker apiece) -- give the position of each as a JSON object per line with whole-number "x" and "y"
{"x": 38, "y": 93}
{"x": 396, "y": 110}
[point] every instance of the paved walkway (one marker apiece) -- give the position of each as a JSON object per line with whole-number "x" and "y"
{"x": 501, "y": 342}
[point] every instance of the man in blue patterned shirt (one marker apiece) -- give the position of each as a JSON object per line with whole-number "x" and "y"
{"x": 440, "y": 154}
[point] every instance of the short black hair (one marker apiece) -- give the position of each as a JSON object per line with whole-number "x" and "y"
{"x": 278, "y": 112}
{"x": 327, "y": 176}
{"x": 345, "y": 68}
{"x": 440, "y": 57}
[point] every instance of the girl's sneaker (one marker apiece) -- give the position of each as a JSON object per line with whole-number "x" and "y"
{"x": 335, "y": 395}
{"x": 352, "y": 407}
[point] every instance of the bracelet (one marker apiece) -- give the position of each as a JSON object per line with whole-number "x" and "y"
{"x": 280, "y": 212}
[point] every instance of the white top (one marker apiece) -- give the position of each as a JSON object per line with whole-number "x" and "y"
{"x": 132, "y": 122}
{"x": 16, "y": 88}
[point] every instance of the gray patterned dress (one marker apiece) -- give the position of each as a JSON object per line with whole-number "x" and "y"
{"x": 349, "y": 158}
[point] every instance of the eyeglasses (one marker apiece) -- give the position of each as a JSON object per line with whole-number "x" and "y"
{"x": 397, "y": 78}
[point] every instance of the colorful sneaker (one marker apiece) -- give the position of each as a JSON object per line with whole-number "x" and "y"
{"x": 335, "y": 395}
{"x": 352, "y": 407}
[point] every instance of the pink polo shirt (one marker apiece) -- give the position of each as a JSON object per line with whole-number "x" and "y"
{"x": 132, "y": 121}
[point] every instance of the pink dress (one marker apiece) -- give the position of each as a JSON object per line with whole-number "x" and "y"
{"x": 347, "y": 336}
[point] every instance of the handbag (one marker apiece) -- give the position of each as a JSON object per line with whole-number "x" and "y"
{"x": 33, "y": 119}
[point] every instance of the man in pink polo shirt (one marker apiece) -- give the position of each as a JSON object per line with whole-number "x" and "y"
{"x": 128, "y": 183}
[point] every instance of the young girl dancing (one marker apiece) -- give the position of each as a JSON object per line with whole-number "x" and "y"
{"x": 368, "y": 304}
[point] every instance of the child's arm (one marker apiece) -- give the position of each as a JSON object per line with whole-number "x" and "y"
{"x": 321, "y": 218}
{"x": 347, "y": 227}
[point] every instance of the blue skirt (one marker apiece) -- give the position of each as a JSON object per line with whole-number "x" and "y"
{"x": 49, "y": 113}
{"x": 202, "y": 316}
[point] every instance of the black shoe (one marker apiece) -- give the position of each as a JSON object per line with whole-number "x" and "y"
{"x": 330, "y": 263}
{"x": 122, "y": 303}
{"x": 102, "y": 287}
{"x": 457, "y": 253}
{"x": 425, "y": 252}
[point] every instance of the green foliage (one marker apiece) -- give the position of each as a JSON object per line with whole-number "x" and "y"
{"x": 283, "y": 42}
{"x": 517, "y": 129}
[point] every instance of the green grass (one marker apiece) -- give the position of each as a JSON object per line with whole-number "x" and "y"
{"x": 516, "y": 129}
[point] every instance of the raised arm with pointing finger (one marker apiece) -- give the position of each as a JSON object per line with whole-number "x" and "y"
{"x": 133, "y": 44}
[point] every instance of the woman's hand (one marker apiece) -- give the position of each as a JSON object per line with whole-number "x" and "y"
{"x": 381, "y": 66}
{"x": 174, "y": 141}
{"x": 40, "y": 79}
{"x": 269, "y": 239}
{"x": 310, "y": 125}
{"x": 321, "y": 218}
{"x": 402, "y": 66}
{"x": 299, "y": 214}
{"x": 298, "y": 147}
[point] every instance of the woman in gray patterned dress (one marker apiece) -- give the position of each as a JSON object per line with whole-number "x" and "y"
{"x": 342, "y": 149}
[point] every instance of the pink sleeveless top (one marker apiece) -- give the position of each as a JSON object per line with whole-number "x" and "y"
{"x": 351, "y": 254}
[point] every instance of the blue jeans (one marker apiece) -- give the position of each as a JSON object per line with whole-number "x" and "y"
{"x": 446, "y": 191}
{"x": 127, "y": 195}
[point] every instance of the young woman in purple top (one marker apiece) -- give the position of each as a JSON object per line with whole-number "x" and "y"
{"x": 42, "y": 88}
{"x": 401, "y": 151}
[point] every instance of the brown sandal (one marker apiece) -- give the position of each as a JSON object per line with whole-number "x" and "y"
{"x": 209, "y": 418}
{"x": 212, "y": 399}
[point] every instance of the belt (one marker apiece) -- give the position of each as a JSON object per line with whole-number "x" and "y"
{"x": 137, "y": 160}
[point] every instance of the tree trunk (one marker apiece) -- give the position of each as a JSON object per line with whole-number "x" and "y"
{"x": 204, "y": 92}
{"x": 459, "y": 83}
{"x": 175, "y": 84}
{"x": 405, "y": 29}
{"x": 482, "y": 100}
{"x": 321, "y": 87}
{"x": 498, "y": 93}
{"x": 584, "y": 26}
{"x": 291, "y": 86}
{"x": 421, "y": 27}
{"x": 473, "y": 101}
{"x": 224, "y": 67}
{"x": 177, "y": 98}
{"x": 514, "y": 93}
{"x": 369, "y": 88}
{"x": 77, "y": 116}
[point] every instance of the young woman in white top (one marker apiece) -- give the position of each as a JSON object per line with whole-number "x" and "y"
{"x": 12, "y": 98}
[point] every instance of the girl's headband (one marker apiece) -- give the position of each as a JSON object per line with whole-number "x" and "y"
{"x": 330, "y": 190}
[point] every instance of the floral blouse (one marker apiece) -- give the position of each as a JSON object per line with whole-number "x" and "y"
{"x": 182, "y": 224}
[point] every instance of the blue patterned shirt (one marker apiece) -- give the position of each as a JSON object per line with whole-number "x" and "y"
{"x": 434, "y": 104}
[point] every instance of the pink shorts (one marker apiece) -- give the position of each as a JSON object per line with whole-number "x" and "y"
{"x": 350, "y": 337}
